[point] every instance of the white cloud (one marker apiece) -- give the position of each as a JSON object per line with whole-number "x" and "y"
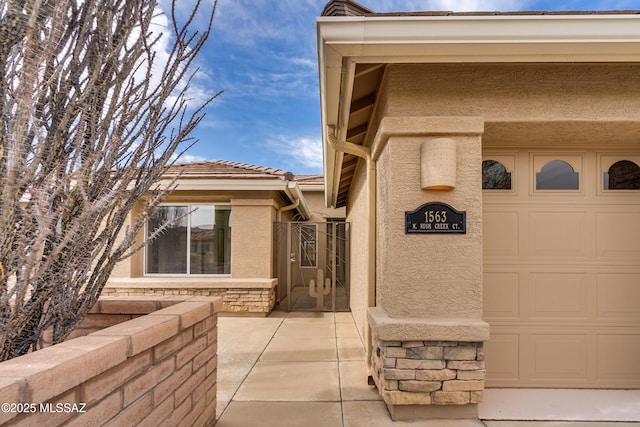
{"x": 188, "y": 158}
{"x": 301, "y": 152}
{"x": 307, "y": 62}
{"x": 246, "y": 21}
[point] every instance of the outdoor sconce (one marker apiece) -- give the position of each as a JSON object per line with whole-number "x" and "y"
{"x": 438, "y": 164}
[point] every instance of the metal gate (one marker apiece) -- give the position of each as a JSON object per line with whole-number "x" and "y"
{"x": 312, "y": 265}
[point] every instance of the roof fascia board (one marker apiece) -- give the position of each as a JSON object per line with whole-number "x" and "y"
{"x": 529, "y": 38}
{"x": 329, "y": 73}
{"x": 479, "y": 29}
{"x": 311, "y": 187}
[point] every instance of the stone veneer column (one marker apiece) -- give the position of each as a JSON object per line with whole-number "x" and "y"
{"x": 427, "y": 328}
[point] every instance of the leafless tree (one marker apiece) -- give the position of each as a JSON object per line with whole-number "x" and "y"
{"x": 91, "y": 116}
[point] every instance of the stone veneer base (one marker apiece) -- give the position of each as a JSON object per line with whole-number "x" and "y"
{"x": 251, "y": 297}
{"x": 427, "y": 378}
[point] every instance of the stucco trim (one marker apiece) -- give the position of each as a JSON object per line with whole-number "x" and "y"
{"x": 420, "y": 329}
{"x": 424, "y": 126}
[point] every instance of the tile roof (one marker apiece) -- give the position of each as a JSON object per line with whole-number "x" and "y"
{"x": 309, "y": 179}
{"x": 351, "y": 8}
{"x": 227, "y": 170}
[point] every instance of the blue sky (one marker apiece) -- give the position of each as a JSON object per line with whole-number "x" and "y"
{"x": 263, "y": 55}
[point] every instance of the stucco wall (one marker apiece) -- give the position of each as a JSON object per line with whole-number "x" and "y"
{"x": 320, "y": 213}
{"x": 523, "y": 103}
{"x": 357, "y": 215}
{"x": 428, "y": 275}
{"x": 252, "y": 238}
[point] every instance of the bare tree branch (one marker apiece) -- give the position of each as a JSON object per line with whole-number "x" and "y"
{"x": 89, "y": 122}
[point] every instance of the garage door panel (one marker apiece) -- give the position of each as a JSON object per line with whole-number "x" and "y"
{"x": 618, "y": 358}
{"x": 618, "y": 235}
{"x": 505, "y": 226}
{"x": 501, "y": 295}
{"x": 502, "y": 357}
{"x": 557, "y": 357}
{"x": 554, "y": 234}
{"x": 559, "y": 296}
{"x": 618, "y": 296}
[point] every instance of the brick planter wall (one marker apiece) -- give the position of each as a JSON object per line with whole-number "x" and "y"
{"x": 156, "y": 369}
{"x": 428, "y": 372}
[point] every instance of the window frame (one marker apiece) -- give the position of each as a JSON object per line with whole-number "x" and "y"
{"x": 190, "y": 210}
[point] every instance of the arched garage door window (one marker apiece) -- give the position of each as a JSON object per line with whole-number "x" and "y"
{"x": 622, "y": 175}
{"x": 557, "y": 175}
{"x": 495, "y": 176}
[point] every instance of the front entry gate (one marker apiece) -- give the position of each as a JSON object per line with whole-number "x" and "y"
{"x": 312, "y": 265}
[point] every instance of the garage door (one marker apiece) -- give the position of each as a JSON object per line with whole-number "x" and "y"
{"x": 561, "y": 233}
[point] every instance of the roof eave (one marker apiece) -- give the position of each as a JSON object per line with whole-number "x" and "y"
{"x": 345, "y": 41}
{"x": 234, "y": 184}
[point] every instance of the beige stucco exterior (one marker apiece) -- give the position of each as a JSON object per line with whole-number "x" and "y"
{"x": 252, "y": 252}
{"x": 558, "y": 103}
{"x": 257, "y": 203}
{"x": 360, "y": 231}
{"x": 314, "y": 195}
{"x": 560, "y": 87}
{"x": 433, "y": 277}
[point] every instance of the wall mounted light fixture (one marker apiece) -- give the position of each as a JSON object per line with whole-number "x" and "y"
{"x": 438, "y": 164}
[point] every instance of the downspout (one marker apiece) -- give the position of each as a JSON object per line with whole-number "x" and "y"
{"x": 364, "y": 153}
{"x": 290, "y": 207}
{"x": 293, "y": 191}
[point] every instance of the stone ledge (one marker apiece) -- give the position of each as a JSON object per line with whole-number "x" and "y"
{"x": 190, "y": 283}
{"x": 421, "y": 329}
{"x": 250, "y": 302}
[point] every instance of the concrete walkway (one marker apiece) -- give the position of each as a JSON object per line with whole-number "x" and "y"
{"x": 307, "y": 369}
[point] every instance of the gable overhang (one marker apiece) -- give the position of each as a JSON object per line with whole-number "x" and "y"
{"x": 351, "y": 46}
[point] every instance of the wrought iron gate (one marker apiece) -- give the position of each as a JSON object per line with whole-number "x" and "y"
{"x": 312, "y": 265}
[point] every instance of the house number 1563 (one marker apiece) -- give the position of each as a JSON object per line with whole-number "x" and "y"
{"x": 435, "y": 216}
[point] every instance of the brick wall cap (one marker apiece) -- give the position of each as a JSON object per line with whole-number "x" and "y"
{"x": 53, "y": 370}
{"x": 190, "y": 312}
{"x": 144, "y": 332}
